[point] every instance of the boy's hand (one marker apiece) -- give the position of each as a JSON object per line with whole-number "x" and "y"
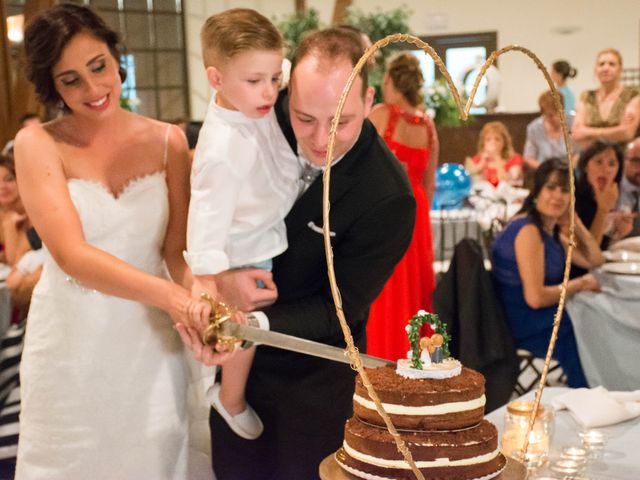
{"x": 240, "y": 289}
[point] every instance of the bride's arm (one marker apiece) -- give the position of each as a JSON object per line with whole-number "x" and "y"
{"x": 175, "y": 242}
{"x": 44, "y": 192}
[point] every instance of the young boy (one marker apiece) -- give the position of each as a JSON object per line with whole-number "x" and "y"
{"x": 244, "y": 178}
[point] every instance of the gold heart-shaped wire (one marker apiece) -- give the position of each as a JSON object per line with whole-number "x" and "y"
{"x": 352, "y": 351}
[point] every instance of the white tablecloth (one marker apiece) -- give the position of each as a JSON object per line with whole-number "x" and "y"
{"x": 607, "y": 328}
{"x": 620, "y": 461}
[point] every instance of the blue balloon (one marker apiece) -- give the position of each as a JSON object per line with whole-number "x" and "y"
{"x": 453, "y": 185}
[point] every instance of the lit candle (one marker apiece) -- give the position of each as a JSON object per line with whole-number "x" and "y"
{"x": 516, "y": 425}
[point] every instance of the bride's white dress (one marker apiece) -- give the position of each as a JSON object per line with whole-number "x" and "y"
{"x": 105, "y": 380}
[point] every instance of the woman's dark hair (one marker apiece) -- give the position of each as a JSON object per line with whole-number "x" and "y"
{"x": 544, "y": 171}
{"x": 583, "y": 187}
{"x": 49, "y": 33}
{"x": 192, "y": 130}
{"x": 565, "y": 69}
{"x": 6, "y": 161}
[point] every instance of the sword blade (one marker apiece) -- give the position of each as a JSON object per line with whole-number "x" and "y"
{"x": 296, "y": 344}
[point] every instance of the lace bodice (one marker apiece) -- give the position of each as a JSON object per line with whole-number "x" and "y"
{"x": 131, "y": 226}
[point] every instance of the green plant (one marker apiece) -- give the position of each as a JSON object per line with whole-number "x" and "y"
{"x": 377, "y": 25}
{"x": 441, "y": 105}
{"x": 294, "y": 27}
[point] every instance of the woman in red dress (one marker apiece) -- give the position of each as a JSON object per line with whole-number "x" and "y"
{"x": 412, "y": 137}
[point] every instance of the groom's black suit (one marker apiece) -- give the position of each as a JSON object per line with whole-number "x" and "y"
{"x": 304, "y": 401}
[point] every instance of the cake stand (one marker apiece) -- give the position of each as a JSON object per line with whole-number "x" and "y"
{"x": 330, "y": 470}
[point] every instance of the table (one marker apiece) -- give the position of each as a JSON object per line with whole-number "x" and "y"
{"x": 607, "y": 328}
{"x": 448, "y": 227}
{"x": 620, "y": 461}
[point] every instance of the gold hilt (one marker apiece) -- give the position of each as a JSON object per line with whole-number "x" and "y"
{"x": 212, "y": 335}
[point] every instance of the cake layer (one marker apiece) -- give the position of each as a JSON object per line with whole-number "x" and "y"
{"x": 423, "y": 404}
{"x": 463, "y": 454}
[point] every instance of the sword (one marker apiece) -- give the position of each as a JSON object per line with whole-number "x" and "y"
{"x": 227, "y": 333}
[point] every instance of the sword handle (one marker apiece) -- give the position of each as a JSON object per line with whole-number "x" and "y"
{"x": 220, "y": 313}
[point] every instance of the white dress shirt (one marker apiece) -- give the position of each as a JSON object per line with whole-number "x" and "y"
{"x": 244, "y": 180}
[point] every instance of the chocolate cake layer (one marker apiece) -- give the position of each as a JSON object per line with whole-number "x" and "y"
{"x": 423, "y": 404}
{"x": 465, "y": 454}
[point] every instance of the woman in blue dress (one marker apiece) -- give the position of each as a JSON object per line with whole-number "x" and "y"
{"x": 528, "y": 264}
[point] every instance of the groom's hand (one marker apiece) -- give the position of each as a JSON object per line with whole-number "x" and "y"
{"x": 240, "y": 288}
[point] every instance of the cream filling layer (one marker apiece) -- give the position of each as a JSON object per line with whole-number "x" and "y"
{"x": 442, "y": 409}
{"x": 438, "y": 462}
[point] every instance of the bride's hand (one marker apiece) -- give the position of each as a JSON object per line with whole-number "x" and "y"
{"x": 201, "y": 352}
{"x": 188, "y": 311}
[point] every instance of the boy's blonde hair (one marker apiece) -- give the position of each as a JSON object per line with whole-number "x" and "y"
{"x": 234, "y": 31}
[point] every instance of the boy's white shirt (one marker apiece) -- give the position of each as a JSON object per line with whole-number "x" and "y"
{"x": 244, "y": 180}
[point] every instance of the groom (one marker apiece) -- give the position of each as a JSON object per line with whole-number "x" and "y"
{"x": 305, "y": 401}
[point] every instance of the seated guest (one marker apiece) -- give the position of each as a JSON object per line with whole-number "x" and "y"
{"x": 23, "y": 278}
{"x": 14, "y": 223}
{"x": 598, "y": 177}
{"x": 528, "y": 263}
{"x": 544, "y": 134}
{"x": 496, "y": 160}
{"x": 630, "y": 188}
{"x": 27, "y": 119}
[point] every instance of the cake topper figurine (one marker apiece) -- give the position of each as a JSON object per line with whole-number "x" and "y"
{"x": 437, "y": 345}
{"x": 429, "y": 357}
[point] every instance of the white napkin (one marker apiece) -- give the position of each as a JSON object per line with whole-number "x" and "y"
{"x": 598, "y": 407}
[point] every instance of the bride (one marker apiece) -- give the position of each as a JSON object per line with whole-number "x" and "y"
{"x": 104, "y": 374}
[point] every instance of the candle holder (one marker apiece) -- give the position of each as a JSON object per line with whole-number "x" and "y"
{"x": 567, "y": 468}
{"x": 577, "y": 454}
{"x": 594, "y": 442}
{"x": 516, "y": 425}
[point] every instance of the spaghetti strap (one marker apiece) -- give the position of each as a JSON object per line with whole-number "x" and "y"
{"x": 166, "y": 146}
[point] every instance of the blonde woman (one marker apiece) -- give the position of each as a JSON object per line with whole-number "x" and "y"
{"x": 611, "y": 113}
{"x": 496, "y": 161}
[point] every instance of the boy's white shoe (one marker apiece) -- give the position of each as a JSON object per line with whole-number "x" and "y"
{"x": 246, "y": 424}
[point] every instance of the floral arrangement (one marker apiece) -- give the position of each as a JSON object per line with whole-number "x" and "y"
{"x": 441, "y": 106}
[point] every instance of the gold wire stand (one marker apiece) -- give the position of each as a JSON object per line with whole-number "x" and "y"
{"x": 352, "y": 351}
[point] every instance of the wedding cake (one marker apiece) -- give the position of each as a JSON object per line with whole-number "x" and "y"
{"x": 437, "y": 406}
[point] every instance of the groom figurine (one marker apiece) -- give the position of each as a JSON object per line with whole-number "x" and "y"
{"x": 304, "y": 401}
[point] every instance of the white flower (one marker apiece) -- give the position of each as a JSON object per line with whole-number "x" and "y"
{"x": 421, "y": 312}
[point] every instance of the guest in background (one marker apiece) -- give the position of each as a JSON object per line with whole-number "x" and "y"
{"x": 559, "y": 72}
{"x": 544, "y": 134}
{"x": 13, "y": 218}
{"x": 496, "y": 161}
{"x": 611, "y": 113}
{"x": 27, "y": 119}
{"x": 598, "y": 177}
{"x": 22, "y": 280}
{"x": 412, "y": 137}
{"x": 528, "y": 263}
{"x": 630, "y": 187}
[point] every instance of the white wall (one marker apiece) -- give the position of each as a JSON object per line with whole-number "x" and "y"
{"x": 574, "y": 30}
